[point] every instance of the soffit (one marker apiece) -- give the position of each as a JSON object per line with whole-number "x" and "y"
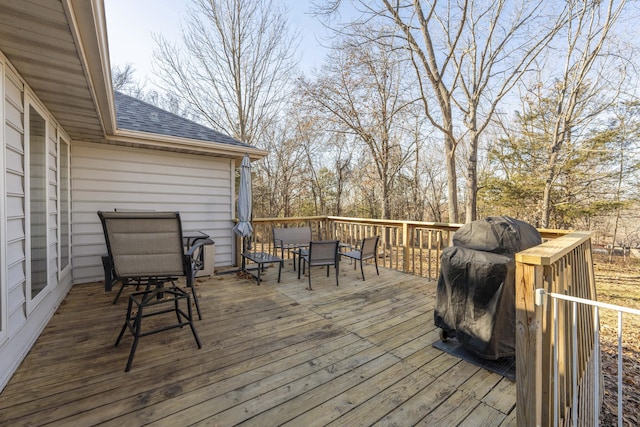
{"x": 37, "y": 37}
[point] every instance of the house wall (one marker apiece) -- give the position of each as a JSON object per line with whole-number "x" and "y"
{"x": 23, "y": 315}
{"x": 108, "y": 177}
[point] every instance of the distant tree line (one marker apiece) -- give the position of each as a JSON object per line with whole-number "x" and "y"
{"x": 533, "y": 104}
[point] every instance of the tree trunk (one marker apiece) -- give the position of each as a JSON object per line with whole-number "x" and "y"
{"x": 548, "y": 187}
{"x": 472, "y": 178}
{"x": 452, "y": 179}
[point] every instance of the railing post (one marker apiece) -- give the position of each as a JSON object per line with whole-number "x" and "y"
{"x": 528, "y": 346}
{"x": 405, "y": 247}
{"x": 329, "y": 233}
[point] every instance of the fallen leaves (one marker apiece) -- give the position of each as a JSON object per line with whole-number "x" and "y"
{"x": 620, "y": 284}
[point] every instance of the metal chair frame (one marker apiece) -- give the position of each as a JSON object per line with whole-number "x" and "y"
{"x": 368, "y": 249}
{"x": 147, "y": 248}
{"x": 320, "y": 253}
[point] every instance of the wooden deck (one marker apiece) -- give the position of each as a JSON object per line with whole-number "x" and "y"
{"x": 357, "y": 354}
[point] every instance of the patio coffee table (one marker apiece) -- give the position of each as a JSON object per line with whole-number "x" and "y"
{"x": 261, "y": 258}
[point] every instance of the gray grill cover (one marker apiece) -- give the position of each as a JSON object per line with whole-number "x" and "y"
{"x": 475, "y": 298}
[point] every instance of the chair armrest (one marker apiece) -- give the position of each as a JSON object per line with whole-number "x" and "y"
{"x": 194, "y": 259}
{"x": 198, "y": 244}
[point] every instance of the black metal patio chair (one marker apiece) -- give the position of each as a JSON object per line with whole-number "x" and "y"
{"x": 320, "y": 253}
{"x": 367, "y": 249}
{"x": 148, "y": 248}
{"x": 192, "y": 261}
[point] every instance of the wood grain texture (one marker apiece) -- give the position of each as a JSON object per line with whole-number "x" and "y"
{"x": 357, "y": 354}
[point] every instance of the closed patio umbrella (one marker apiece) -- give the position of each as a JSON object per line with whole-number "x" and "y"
{"x": 243, "y": 227}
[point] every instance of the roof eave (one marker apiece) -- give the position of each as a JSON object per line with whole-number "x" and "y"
{"x": 89, "y": 28}
{"x": 172, "y": 143}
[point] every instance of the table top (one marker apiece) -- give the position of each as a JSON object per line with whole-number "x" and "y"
{"x": 261, "y": 257}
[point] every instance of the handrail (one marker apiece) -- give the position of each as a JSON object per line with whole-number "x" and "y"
{"x": 435, "y": 225}
{"x": 553, "y": 250}
{"x": 546, "y": 385}
{"x": 541, "y": 297}
{"x": 410, "y": 246}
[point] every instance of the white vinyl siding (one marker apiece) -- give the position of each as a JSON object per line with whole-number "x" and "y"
{"x": 3, "y": 228}
{"x": 108, "y": 177}
{"x": 21, "y": 317}
{"x": 15, "y": 201}
{"x": 52, "y": 208}
{"x": 65, "y": 204}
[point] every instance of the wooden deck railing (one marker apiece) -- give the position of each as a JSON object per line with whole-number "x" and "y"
{"x": 410, "y": 246}
{"x": 545, "y": 394}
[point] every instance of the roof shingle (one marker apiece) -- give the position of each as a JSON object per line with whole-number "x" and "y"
{"x": 135, "y": 115}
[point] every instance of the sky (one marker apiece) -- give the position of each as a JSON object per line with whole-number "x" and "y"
{"x": 130, "y": 24}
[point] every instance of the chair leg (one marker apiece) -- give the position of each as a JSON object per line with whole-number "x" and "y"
{"x": 294, "y": 261}
{"x": 375, "y": 259}
{"x": 337, "y": 272}
{"x": 176, "y": 308}
{"x": 280, "y": 269}
{"x": 136, "y": 336}
{"x": 309, "y": 287}
{"x": 361, "y": 268}
{"x": 124, "y": 328}
{"x": 115, "y": 300}
{"x": 191, "y": 280}
{"x": 134, "y": 323}
{"x": 195, "y": 299}
{"x": 193, "y": 329}
{"x": 126, "y": 323}
{"x": 131, "y": 354}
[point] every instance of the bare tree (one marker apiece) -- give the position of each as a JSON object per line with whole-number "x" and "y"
{"x": 589, "y": 26}
{"x": 233, "y": 66}
{"x": 279, "y": 182}
{"x": 362, "y": 92}
{"x": 123, "y": 80}
{"x": 627, "y": 121}
{"x": 467, "y": 55}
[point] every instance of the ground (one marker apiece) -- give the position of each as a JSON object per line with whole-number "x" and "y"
{"x": 618, "y": 282}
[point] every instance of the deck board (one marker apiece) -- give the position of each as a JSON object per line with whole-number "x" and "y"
{"x": 276, "y": 354}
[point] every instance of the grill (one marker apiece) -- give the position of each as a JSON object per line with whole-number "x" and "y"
{"x": 475, "y": 300}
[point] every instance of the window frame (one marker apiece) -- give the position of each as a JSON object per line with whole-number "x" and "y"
{"x": 64, "y": 145}
{"x": 31, "y": 301}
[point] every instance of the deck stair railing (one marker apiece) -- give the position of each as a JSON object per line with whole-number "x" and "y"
{"x": 542, "y": 299}
{"x": 558, "y": 373}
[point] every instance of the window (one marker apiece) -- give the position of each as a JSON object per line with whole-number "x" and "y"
{"x": 37, "y": 202}
{"x": 65, "y": 237}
